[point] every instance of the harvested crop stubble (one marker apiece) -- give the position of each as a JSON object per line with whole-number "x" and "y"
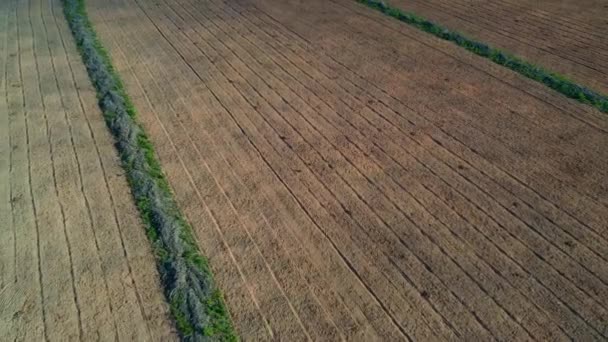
{"x": 196, "y": 304}
{"x": 75, "y": 262}
{"x": 568, "y": 37}
{"x": 352, "y": 187}
{"x": 551, "y": 79}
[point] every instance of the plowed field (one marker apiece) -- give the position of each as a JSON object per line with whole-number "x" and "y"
{"x": 75, "y": 263}
{"x": 569, "y": 37}
{"x": 350, "y": 177}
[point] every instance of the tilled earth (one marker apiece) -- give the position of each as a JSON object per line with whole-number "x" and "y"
{"x": 75, "y": 263}
{"x": 350, "y": 177}
{"x": 569, "y": 37}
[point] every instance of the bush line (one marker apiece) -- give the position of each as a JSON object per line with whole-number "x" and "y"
{"x": 197, "y": 306}
{"x": 552, "y": 80}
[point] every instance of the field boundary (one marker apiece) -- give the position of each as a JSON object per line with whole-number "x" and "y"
{"x": 197, "y": 306}
{"x": 551, "y": 79}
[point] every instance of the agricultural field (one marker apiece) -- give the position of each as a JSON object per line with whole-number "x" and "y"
{"x": 302, "y": 170}
{"x": 351, "y": 177}
{"x": 75, "y": 263}
{"x": 570, "y": 37}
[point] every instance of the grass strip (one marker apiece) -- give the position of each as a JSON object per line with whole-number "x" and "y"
{"x": 196, "y": 304}
{"x": 551, "y": 79}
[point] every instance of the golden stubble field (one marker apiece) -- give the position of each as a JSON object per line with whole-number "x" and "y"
{"x": 569, "y": 37}
{"x": 350, "y": 177}
{"x": 75, "y": 263}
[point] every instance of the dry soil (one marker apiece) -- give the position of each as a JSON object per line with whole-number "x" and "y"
{"x": 569, "y": 37}
{"x": 350, "y": 177}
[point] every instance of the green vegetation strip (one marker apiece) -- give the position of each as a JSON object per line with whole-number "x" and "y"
{"x": 552, "y": 80}
{"x": 196, "y": 304}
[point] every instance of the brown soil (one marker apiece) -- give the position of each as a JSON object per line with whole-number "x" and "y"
{"x": 569, "y": 37}
{"x": 75, "y": 263}
{"x": 350, "y": 177}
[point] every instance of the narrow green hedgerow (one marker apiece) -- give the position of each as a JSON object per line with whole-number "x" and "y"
{"x": 552, "y": 80}
{"x": 196, "y": 305}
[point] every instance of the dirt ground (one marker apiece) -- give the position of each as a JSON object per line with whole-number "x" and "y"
{"x": 75, "y": 263}
{"x": 350, "y": 177}
{"x": 567, "y": 36}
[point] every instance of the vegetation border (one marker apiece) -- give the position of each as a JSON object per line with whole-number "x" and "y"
{"x": 553, "y": 80}
{"x": 196, "y": 304}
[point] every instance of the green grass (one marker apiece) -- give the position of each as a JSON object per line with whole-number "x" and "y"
{"x": 197, "y": 306}
{"x": 553, "y": 80}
